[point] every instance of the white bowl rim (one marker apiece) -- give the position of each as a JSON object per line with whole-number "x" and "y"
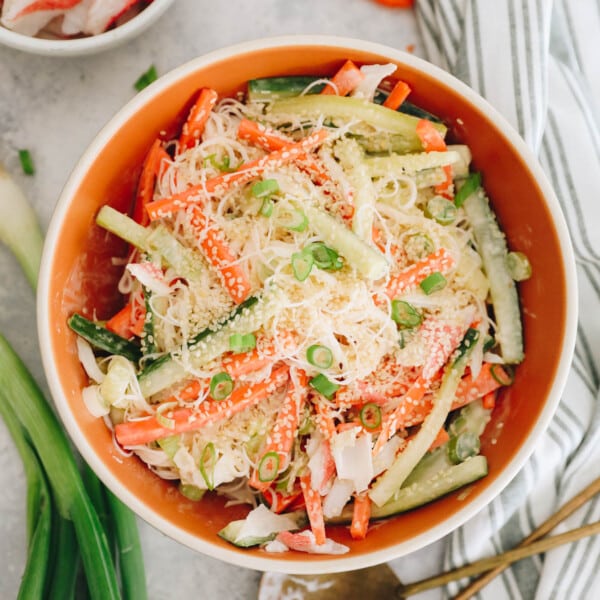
{"x": 89, "y": 44}
{"x": 346, "y": 562}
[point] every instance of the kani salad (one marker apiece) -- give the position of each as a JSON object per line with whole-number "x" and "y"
{"x": 320, "y": 307}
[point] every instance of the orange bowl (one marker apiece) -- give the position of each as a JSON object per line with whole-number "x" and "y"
{"x": 77, "y": 275}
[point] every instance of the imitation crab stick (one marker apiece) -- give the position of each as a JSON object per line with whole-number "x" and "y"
{"x": 314, "y": 509}
{"x": 398, "y": 95}
{"x": 439, "y": 261}
{"x": 196, "y": 121}
{"x": 281, "y": 437}
{"x": 246, "y": 173}
{"x": 213, "y": 244}
{"x": 360, "y": 517}
{"x": 134, "y": 433}
{"x": 345, "y": 80}
{"x": 145, "y": 190}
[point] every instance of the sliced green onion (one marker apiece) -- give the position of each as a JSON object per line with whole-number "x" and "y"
{"x": 418, "y": 245}
{"x": 518, "y": 266}
{"x": 503, "y": 374}
{"x": 293, "y": 219}
{"x": 160, "y": 417}
{"x": 145, "y": 79}
{"x": 442, "y": 210}
{"x": 488, "y": 343}
{"x": 224, "y": 166}
{"x": 191, "y": 492}
{"x": 324, "y": 386}
{"x": 169, "y": 445}
{"x": 208, "y": 460}
{"x": 433, "y": 283}
{"x": 471, "y": 184}
{"x": 239, "y": 343}
{"x": 324, "y": 257}
{"x": 221, "y": 386}
{"x": 405, "y": 314}
{"x": 265, "y": 188}
{"x": 302, "y": 264}
{"x": 266, "y": 208}
{"x": 319, "y": 356}
{"x": 26, "y": 162}
{"x": 463, "y": 446}
{"x": 370, "y": 416}
{"x": 268, "y": 467}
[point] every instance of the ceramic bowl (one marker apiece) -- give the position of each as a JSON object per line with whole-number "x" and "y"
{"x": 89, "y": 44}
{"x": 77, "y": 275}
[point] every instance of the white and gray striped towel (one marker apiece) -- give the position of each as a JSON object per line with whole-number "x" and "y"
{"x": 538, "y": 62}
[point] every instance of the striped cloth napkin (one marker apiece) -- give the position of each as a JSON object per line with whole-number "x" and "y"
{"x": 537, "y": 61}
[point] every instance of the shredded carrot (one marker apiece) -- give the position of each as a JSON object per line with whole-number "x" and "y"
{"x": 217, "y": 252}
{"x": 196, "y": 121}
{"x": 345, "y": 80}
{"x": 489, "y": 400}
{"x": 281, "y": 437}
{"x": 398, "y": 95}
{"x": 246, "y": 173}
{"x": 431, "y": 138}
{"x": 134, "y": 433}
{"x": 145, "y": 190}
{"x": 440, "y": 439}
{"x": 314, "y": 509}
{"x": 360, "y": 517}
{"x": 410, "y": 277}
{"x": 121, "y": 322}
{"x": 241, "y": 364}
{"x": 279, "y": 501}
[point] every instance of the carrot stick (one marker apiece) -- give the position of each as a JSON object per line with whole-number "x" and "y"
{"x": 360, "y": 517}
{"x": 121, "y": 322}
{"x": 398, "y": 95}
{"x": 314, "y": 509}
{"x": 145, "y": 190}
{"x": 196, "y": 121}
{"x": 440, "y": 260}
{"x": 134, "y": 433}
{"x": 213, "y": 244}
{"x": 345, "y": 80}
{"x": 246, "y": 173}
{"x": 431, "y": 138}
{"x": 489, "y": 400}
{"x": 281, "y": 437}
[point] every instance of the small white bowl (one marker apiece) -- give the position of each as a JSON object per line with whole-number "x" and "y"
{"x": 90, "y": 44}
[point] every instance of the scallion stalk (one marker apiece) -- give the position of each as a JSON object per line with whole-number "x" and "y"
{"x": 221, "y": 386}
{"x": 433, "y": 283}
{"x": 324, "y": 386}
{"x": 319, "y": 356}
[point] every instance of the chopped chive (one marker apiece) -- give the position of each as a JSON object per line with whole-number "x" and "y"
{"x": 268, "y": 467}
{"x": 266, "y": 208}
{"x": 239, "y": 343}
{"x": 370, "y": 416}
{"x": 502, "y": 374}
{"x": 167, "y": 422}
{"x": 463, "y": 446}
{"x": 324, "y": 257}
{"x": 324, "y": 386}
{"x": 442, "y": 210}
{"x": 221, "y": 386}
{"x": 294, "y": 219}
{"x": 319, "y": 356}
{"x": 518, "y": 266}
{"x": 224, "y": 166}
{"x": 418, "y": 245}
{"x": 433, "y": 283}
{"x": 488, "y": 343}
{"x": 265, "y": 188}
{"x": 302, "y": 264}
{"x": 145, "y": 79}
{"x": 208, "y": 460}
{"x": 26, "y": 162}
{"x": 191, "y": 492}
{"x": 405, "y": 314}
{"x": 471, "y": 184}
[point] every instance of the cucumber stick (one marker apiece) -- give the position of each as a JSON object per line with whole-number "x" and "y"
{"x": 351, "y": 109}
{"x": 392, "y": 480}
{"x": 368, "y": 261}
{"x": 184, "y": 261}
{"x": 491, "y": 243}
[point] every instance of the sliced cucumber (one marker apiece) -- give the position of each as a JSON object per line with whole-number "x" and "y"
{"x": 351, "y": 109}
{"x": 492, "y": 247}
{"x": 424, "y": 491}
{"x": 269, "y": 89}
{"x": 231, "y": 532}
{"x": 409, "y": 164}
